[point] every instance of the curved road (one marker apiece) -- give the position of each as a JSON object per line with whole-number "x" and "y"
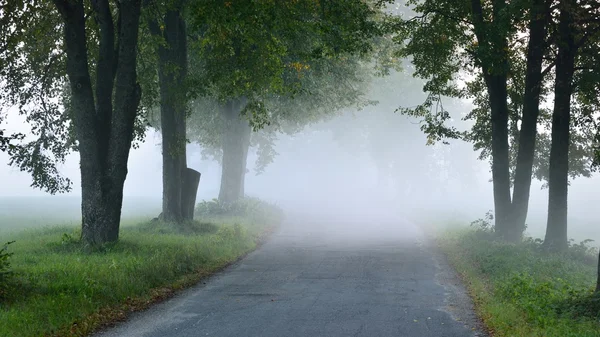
{"x": 333, "y": 278}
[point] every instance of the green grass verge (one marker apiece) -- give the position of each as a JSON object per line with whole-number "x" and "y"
{"x": 63, "y": 290}
{"x": 521, "y": 290}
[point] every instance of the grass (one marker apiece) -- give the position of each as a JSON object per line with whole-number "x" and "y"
{"x": 521, "y": 290}
{"x": 62, "y": 289}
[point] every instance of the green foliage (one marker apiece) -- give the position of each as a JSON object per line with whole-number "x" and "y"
{"x": 6, "y": 274}
{"x": 33, "y": 77}
{"x": 34, "y": 84}
{"x": 539, "y": 300}
{"x": 582, "y": 251}
{"x": 326, "y": 88}
{"x": 228, "y": 232}
{"x": 248, "y": 48}
{"x": 587, "y": 306}
{"x": 521, "y": 289}
{"x": 485, "y": 224}
{"x": 248, "y": 207}
{"x": 297, "y": 63}
{"x": 67, "y": 238}
{"x": 441, "y": 38}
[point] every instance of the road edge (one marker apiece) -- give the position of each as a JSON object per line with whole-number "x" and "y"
{"x": 123, "y": 312}
{"x": 458, "y": 301}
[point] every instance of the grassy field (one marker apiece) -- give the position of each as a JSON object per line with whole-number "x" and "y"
{"x": 62, "y": 289}
{"x": 18, "y": 213}
{"x": 520, "y": 290}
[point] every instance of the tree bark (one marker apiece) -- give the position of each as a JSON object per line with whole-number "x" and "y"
{"x": 531, "y": 110}
{"x": 104, "y": 122}
{"x": 245, "y": 148}
{"x": 172, "y": 64}
{"x": 598, "y": 276}
{"x": 558, "y": 182}
{"x": 493, "y": 58}
{"x": 500, "y": 154}
{"x": 511, "y": 214}
{"x": 236, "y": 141}
{"x": 191, "y": 180}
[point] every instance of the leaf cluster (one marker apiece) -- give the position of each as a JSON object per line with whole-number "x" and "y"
{"x": 34, "y": 85}
{"x": 297, "y": 62}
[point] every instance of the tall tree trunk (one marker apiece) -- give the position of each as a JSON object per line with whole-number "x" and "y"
{"x": 511, "y": 215}
{"x": 172, "y": 64}
{"x": 531, "y": 110}
{"x": 500, "y": 154}
{"x": 101, "y": 210}
{"x": 598, "y": 275}
{"x": 104, "y": 121}
{"x": 558, "y": 182}
{"x": 236, "y": 140}
{"x": 245, "y": 148}
{"x": 493, "y": 46}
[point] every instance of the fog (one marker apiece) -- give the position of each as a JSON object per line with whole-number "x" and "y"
{"x": 328, "y": 170}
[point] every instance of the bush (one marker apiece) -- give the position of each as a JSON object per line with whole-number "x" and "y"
{"x": 485, "y": 224}
{"x": 248, "y": 207}
{"x": 6, "y": 275}
{"x": 485, "y": 230}
{"x": 583, "y": 252}
{"x": 230, "y": 233}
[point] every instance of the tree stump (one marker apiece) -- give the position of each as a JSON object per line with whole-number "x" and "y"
{"x": 191, "y": 180}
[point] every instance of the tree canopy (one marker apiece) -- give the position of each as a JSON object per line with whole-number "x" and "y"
{"x": 296, "y": 62}
{"x": 34, "y": 83}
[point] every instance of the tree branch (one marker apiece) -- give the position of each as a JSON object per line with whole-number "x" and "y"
{"x": 548, "y": 68}
{"x": 63, "y": 7}
{"x": 588, "y": 34}
{"x": 82, "y": 95}
{"x": 127, "y": 90}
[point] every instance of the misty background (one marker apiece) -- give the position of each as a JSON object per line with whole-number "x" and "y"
{"x": 362, "y": 164}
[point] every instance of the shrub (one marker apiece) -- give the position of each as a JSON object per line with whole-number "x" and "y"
{"x": 583, "y": 252}
{"x": 6, "y": 275}
{"x": 228, "y": 233}
{"x": 484, "y": 224}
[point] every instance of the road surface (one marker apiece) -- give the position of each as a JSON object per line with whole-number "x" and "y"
{"x": 326, "y": 278}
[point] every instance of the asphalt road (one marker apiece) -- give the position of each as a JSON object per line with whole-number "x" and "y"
{"x": 326, "y": 278}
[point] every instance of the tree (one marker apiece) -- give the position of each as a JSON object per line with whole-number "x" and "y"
{"x": 99, "y": 60}
{"x": 559, "y": 150}
{"x": 537, "y": 47}
{"x": 180, "y": 183}
{"x": 327, "y": 87}
{"x": 32, "y": 75}
{"x": 516, "y": 115}
{"x": 578, "y": 24}
{"x": 448, "y": 39}
{"x": 255, "y": 53}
